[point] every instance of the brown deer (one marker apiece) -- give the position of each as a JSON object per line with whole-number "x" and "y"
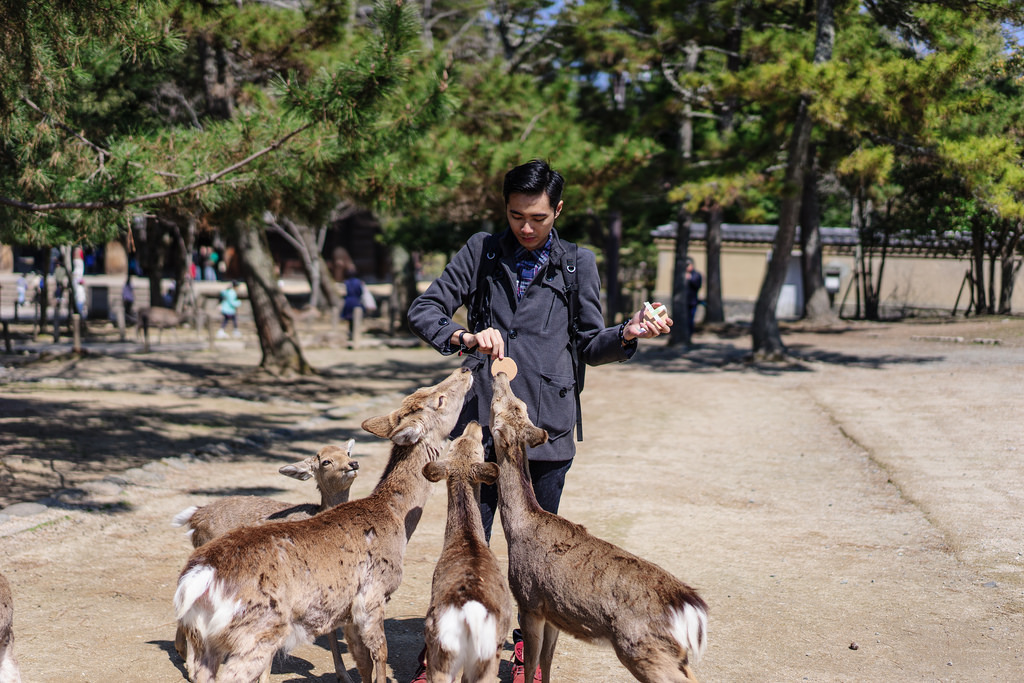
{"x": 161, "y": 319}
{"x": 261, "y": 589}
{"x": 470, "y": 606}
{"x": 565, "y": 579}
{"x": 9, "y": 672}
{"x": 334, "y": 470}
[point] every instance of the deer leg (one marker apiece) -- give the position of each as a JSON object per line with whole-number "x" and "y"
{"x": 251, "y": 666}
{"x": 533, "y": 629}
{"x": 547, "y": 650}
{"x": 340, "y": 672}
{"x": 356, "y": 646}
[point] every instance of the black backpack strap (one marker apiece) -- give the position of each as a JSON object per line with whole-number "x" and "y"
{"x": 572, "y": 292}
{"x": 478, "y": 313}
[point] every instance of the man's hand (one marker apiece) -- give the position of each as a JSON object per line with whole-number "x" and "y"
{"x": 489, "y": 341}
{"x": 640, "y": 328}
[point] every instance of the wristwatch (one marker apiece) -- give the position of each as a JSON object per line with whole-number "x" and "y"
{"x": 462, "y": 345}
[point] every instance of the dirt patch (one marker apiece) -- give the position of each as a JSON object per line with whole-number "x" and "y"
{"x": 867, "y": 492}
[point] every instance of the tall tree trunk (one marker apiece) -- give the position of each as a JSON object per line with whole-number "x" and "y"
{"x": 817, "y": 308}
{"x": 275, "y": 326}
{"x": 1010, "y": 267}
{"x": 613, "y": 243}
{"x": 680, "y": 334}
{"x": 767, "y": 341}
{"x": 978, "y": 261}
{"x": 714, "y": 311}
{"x": 185, "y": 240}
{"x": 218, "y": 78}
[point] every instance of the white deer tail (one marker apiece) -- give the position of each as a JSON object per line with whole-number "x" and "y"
{"x": 208, "y": 616}
{"x": 183, "y": 517}
{"x": 690, "y": 629}
{"x": 469, "y": 632}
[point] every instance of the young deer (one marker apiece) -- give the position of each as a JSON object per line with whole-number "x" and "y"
{"x": 260, "y": 589}
{"x": 470, "y": 606}
{"x": 565, "y": 579}
{"x": 9, "y": 672}
{"x": 334, "y": 470}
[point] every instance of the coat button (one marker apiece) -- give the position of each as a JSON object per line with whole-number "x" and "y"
{"x": 512, "y": 334}
{"x": 563, "y": 392}
{"x": 442, "y": 322}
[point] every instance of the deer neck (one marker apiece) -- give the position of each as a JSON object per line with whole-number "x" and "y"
{"x": 329, "y": 500}
{"x": 516, "y": 499}
{"x": 463, "y": 513}
{"x": 402, "y": 487}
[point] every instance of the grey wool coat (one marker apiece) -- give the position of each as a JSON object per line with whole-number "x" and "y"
{"x": 535, "y": 329}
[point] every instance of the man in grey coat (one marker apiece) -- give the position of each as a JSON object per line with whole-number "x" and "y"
{"x": 517, "y": 291}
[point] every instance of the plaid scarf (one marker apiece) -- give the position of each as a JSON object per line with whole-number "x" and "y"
{"x": 529, "y": 263}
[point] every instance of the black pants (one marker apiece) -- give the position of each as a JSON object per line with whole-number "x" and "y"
{"x": 548, "y": 480}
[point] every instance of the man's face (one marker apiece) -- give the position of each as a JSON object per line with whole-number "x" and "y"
{"x": 531, "y": 218}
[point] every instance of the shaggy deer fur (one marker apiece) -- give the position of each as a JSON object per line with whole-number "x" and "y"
{"x": 565, "y": 579}
{"x": 470, "y": 605}
{"x": 260, "y": 589}
{"x": 9, "y": 672}
{"x": 334, "y": 471}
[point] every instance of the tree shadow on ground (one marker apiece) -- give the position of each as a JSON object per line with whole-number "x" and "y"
{"x": 726, "y": 355}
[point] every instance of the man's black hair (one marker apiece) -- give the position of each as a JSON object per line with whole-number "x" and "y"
{"x": 533, "y": 178}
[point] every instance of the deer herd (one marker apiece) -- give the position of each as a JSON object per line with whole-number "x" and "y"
{"x": 266, "y": 576}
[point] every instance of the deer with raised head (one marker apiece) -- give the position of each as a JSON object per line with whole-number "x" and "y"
{"x": 9, "y": 672}
{"x": 565, "y": 579}
{"x": 334, "y": 470}
{"x": 470, "y": 606}
{"x": 262, "y": 589}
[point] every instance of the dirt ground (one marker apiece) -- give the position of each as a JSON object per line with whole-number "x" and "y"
{"x": 854, "y": 515}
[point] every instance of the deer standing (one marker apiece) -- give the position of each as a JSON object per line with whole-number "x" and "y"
{"x": 9, "y": 672}
{"x": 470, "y": 606}
{"x": 161, "y": 318}
{"x": 334, "y": 470}
{"x": 260, "y": 589}
{"x": 565, "y": 579}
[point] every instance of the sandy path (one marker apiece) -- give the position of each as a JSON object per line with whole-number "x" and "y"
{"x": 869, "y": 494}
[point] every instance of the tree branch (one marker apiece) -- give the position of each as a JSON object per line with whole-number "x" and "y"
{"x": 128, "y": 201}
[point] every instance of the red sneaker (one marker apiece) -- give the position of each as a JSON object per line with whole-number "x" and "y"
{"x": 519, "y": 666}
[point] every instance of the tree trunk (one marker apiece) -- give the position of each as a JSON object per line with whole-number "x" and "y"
{"x": 817, "y": 308}
{"x": 767, "y": 341}
{"x": 185, "y": 294}
{"x": 613, "y": 242}
{"x": 275, "y": 326}
{"x": 154, "y": 257}
{"x": 680, "y": 334}
{"x": 1010, "y": 267}
{"x": 978, "y": 260}
{"x": 309, "y": 245}
{"x": 714, "y": 311}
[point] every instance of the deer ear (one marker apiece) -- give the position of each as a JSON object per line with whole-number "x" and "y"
{"x": 299, "y": 470}
{"x": 407, "y": 436}
{"x": 536, "y": 437}
{"x": 485, "y": 472}
{"x": 435, "y": 471}
{"x": 379, "y": 426}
